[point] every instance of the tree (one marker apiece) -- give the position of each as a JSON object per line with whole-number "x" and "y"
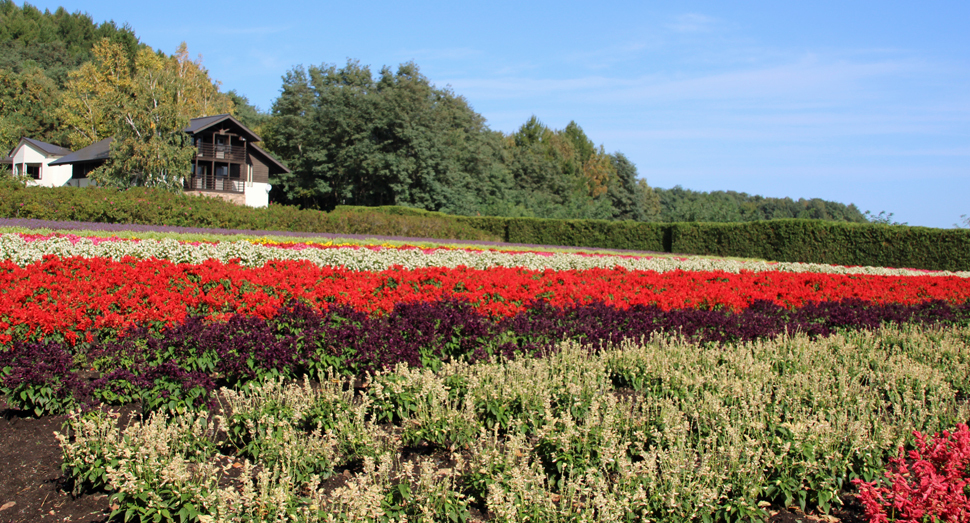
{"x": 352, "y": 139}
{"x": 287, "y": 135}
{"x": 150, "y": 146}
{"x": 94, "y": 92}
{"x": 196, "y": 94}
{"x": 561, "y": 173}
{"x": 29, "y": 103}
{"x": 38, "y": 50}
{"x": 248, "y": 114}
{"x": 145, "y": 106}
{"x": 882, "y": 218}
{"x": 631, "y": 199}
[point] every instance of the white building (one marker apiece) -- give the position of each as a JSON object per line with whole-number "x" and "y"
{"x": 32, "y": 159}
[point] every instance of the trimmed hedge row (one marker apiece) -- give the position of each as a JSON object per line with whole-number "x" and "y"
{"x": 788, "y": 240}
{"x": 629, "y": 235}
{"x": 791, "y": 240}
{"x": 155, "y": 207}
{"x": 837, "y": 243}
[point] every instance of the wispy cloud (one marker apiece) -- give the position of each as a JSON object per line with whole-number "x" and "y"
{"x": 450, "y": 53}
{"x": 612, "y": 55}
{"x": 800, "y": 81}
{"x": 692, "y": 23}
{"x": 808, "y": 79}
{"x": 246, "y": 31}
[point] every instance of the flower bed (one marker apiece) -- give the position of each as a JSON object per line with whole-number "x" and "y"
{"x": 541, "y": 385}
{"x": 24, "y": 249}
{"x": 191, "y": 360}
{"x": 664, "y": 430}
{"x": 74, "y": 297}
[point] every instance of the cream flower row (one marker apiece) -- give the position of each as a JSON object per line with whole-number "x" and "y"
{"x": 22, "y": 252}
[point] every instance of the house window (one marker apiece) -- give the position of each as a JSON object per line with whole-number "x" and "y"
{"x": 33, "y": 171}
{"x": 80, "y": 171}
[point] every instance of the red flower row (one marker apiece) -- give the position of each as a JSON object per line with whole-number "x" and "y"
{"x": 77, "y": 295}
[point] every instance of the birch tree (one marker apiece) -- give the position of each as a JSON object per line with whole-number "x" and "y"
{"x": 146, "y": 106}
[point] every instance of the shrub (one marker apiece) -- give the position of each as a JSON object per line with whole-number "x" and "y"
{"x": 155, "y": 207}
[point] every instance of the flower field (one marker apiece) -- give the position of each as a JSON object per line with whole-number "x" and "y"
{"x": 347, "y": 382}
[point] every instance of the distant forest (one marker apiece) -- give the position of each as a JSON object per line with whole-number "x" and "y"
{"x": 349, "y": 136}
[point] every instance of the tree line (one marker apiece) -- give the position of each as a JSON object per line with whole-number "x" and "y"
{"x": 349, "y": 136}
{"x": 684, "y": 205}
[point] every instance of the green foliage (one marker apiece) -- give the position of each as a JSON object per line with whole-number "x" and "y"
{"x": 881, "y": 218}
{"x": 248, "y": 114}
{"x": 38, "y": 51}
{"x": 350, "y": 138}
{"x": 87, "y": 462}
{"x": 117, "y": 392}
{"x": 816, "y": 241}
{"x": 29, "y": 103}
{"x": 791, "y": 240}
{"x": 393, "y": 400}
{"x": 684, "y": 205}
{"x": 353, "y": 139}
{"x": 145, "y": 104}
{"x": 153, "y": 207}
{"x": 171, "y": 395}
{"x": 39, "y": 398}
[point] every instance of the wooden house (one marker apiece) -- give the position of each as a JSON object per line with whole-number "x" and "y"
{"x": 228, "y": 163}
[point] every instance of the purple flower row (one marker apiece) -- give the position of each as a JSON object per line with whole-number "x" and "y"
{"x": 181, "y": 366}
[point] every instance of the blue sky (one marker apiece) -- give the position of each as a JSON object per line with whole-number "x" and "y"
{"x": 857, "y": 102}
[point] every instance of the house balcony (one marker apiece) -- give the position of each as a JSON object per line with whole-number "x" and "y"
{"x": 215, "y": 183}
{"x": 230, "y": 152}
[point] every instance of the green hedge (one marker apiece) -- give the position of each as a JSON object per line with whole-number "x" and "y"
{"x": 154, "y": 207}
{"x": 812, "y": 241}
{"x": 604, "y": 234}
{"x": 790, "y": 240}
{"x": 839, "y": 243}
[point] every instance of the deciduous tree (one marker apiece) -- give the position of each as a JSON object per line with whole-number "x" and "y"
{"x": 146, "y": 106}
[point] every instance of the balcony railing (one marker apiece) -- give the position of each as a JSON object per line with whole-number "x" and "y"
{"x": 222, "y": 152}
{"x": 215, "y": 183}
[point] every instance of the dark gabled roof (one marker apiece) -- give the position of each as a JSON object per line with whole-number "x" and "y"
{"x": 96, "y": 152}
{"x": 270, "y": 157}
{"x": 101, "y": 151}
{"x": 48, "y": 148}
{"x": 200, "y": 124}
